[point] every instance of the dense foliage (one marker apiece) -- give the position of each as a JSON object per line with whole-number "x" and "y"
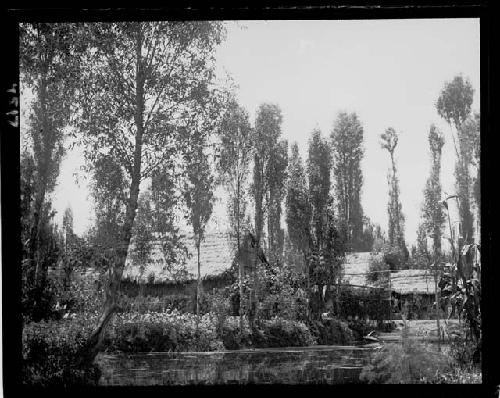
{"x": 50, "y": 353}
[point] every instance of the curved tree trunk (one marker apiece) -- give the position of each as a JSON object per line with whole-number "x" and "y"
{"x": 92, "y": 347}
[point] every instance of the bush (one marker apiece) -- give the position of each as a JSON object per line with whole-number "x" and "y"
{"x": 162, "y": 331}
{"x": 278, "y": 332}
{"x": 465, "y": 352}
{"x": 409, "y": 362}
{"x": 359, "y": 328}
{"x": 50, "y": 353}
{"x": 231, "y": 335}
{"x": 38, "y": 301}
{"x": 331, "y": 331}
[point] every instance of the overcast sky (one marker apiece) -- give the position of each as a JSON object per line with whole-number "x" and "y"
{"x": 390, "y": 72}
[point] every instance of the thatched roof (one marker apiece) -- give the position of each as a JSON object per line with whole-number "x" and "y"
{"x": 412, "y": 281}
{"x": 402, "y": 282}
{"x": 216, "y": 256}
{"x": 355, "y": 268}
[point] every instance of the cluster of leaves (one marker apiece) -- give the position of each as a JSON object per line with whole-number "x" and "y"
{"x": 50, "y": 350}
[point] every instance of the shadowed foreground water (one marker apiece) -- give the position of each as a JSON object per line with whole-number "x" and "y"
{"x": 329, "y": 364}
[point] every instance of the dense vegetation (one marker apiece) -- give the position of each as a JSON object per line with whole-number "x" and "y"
{"x": 160, "y": 133}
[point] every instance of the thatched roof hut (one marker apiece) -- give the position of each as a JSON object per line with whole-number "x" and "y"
{"x": 216, "y": 256}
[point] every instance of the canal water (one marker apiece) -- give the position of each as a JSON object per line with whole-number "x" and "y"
{"x": 317, "y": 364}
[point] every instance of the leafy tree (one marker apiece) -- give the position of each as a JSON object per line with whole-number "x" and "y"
{"x": 318, "y": 170}
{"x": 265, "y": 140}
{"x": 454, "y": 103}
{"x": 68, "y": 245}
{"x": 68, "y": 222}
{"x": 396, "y": 218}
{"x": 277, "y": 175}
{"x": 48, "y": 68}
{"x": 298, "y": 207}
{"x": 432, "y": 209}
{"x": 198, "y": 193}
{"x": 234, "y": 161}
{"x": 454, "y": 106}
{"x": 347, "y": 140}
{"x": 325, "y": 246}
{"x": 369, "y": 235}
{"x": 143, "y": 231}
{"x": 142, "y": 81}
{"x": 468, "y": 186}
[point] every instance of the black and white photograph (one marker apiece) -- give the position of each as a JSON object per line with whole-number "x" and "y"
{"x": 250, "y": 201}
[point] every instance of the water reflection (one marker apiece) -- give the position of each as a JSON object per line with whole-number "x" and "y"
{"x": 330, "y": 365}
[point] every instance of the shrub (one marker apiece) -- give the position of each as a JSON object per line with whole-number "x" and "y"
{"x": 359, "y": 328}
{"x": 409, "y": 362}
{"x": 278, "y": 332}
{"x": 163, "y": 331}
{"x": 49, "y": 352}
{"x": 331, "y": 331}
{"x": 231, "y": 335}
{"x": 465, "y": 352}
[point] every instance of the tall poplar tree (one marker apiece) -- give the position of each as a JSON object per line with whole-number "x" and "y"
{"x": 298, "y": 207}
{"x": 325, "y": 249}
{"x": 454, "y": 106}
{"x": 198, "y": 193}
{"x": 432, "y": 209}
{"x": 389, "y": 141}
{"x": 347, "y": 148}
{"x": 235, "y": 152}
{"x": 49, "y": 67}
{"x": 265, "y": 141}
{"x": 276, "y": 176}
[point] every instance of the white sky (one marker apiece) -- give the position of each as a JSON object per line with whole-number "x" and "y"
{"x": 390, "y": 72}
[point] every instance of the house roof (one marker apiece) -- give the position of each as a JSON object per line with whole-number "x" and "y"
{"x": 216, "y": 256}
{"x": 355, "y": 268}
{"x": 412, "y": 281}
{"x": 403, "y": 282}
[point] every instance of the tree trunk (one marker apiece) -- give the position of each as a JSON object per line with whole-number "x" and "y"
{"x": 198, "y": 282}
{"x": 43, "y": 170}
{"x": 92, "y": 347}
{"x": 437, "y": 306}
{"x": 238, "y": 258}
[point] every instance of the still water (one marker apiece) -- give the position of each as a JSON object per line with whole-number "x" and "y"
{"x": 318, "y": 364}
